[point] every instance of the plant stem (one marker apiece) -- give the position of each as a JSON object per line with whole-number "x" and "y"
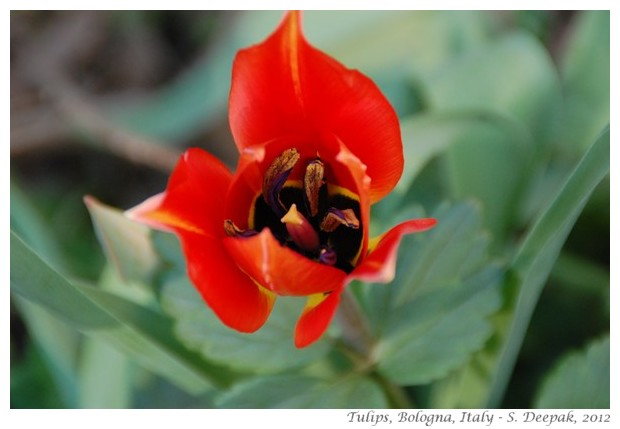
{"x": 397, "y": 396}
{"x": 359, "y": 344}
{"x": 355, "y": 331}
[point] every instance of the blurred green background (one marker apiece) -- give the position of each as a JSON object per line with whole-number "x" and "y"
{"x": 496, "y": 107}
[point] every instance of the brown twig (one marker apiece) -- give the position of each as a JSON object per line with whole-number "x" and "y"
{"x": 85, "y": 117}
{"x": 45, "y": 63}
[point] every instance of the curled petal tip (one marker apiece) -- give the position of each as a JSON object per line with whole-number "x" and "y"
{"x": 380, "y": 264}
{"x": 315, "y": 318}
{"x": 147, "y": 213}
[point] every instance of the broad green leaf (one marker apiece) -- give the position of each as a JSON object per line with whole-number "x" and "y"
{"x": 127, "y": 244}
{"x": 139, "y": 332}
{"x": 485, "y": 156}
{"x": 585, "y": 73}
{"x": 169, "y": 250}
{"x": 151, "y": 392}
{"x": 432, "y": 317}
{"x": 579, "y": 380}
{"x": 268, "y": 350}
{"x": 468, "y": 385}
{"x": 483, "y": 381}
{"x": 537, "y": 254}
{"x": 105, "y": 376}
{"x": 512, "y": 76}
{"x": 373, "y": 42}
{"x": 298, "y": 391}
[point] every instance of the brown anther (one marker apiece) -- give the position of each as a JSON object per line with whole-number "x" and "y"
{"x": 334, "y": 218}
{"x": 276, "y": 175}
{"x": 233, "y": 230}
{"x": 313, "y": 180}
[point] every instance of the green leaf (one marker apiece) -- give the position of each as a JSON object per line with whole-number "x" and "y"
{"x": 127, "y": 244}
{"x": 104, "y": 376}
{"x": 29, "y": 224}
{"x": 374, "y": 41}
{"x": 58, "y": 346}
{"x": 31, "y": 384}
{"x": 298, "y": 391}
{"x": 57, "y": 343}
{"x": 511, "y": 75}
{"x": 485, "y": 158}
{"x": 483, "y": 381}
{"x": 585, "y": 73}
{"x": 579, "y": 379}
{"x": 539, "y": 251}
{"x": 138, "y": 331}
{"x": 433, "y": 315}
{"x": 269, "y": 350}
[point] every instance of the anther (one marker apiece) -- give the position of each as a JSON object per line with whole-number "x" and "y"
{"x": 276, "y": 176}
{"x": 233, "y": 230}
{"x": 334, "y": 218}
{"x": 301, "y": 231}
{"x": 313, "y": 180}
{"x": 327, "y": 256}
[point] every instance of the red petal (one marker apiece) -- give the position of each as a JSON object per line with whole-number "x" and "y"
{"x": 194, "y": 199}
{"x": 284, "y": 87}
{"x": 239, "y": 302}
{"x": 351, "y": 173}
{"x": 193, "y": 207}
{"x": 315, "y": 318}
{"x": 380, "y": 264}
{"x": 247, "y": 184}
{"x": 280, "y": 269}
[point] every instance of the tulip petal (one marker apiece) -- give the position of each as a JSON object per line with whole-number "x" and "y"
{"x": 193, "y": 200}
{"x": 380, "y": 264}
{"x": 238, "y": 301}
{"x": 193, "y": 207}
{"x": 315, "y": 318}
{"x": 350, "y": 170}
{"x": 286, "y": 87}
{"x": 280, "y": 269}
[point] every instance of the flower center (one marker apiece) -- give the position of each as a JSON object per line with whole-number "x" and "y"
{"x": 312, "y": 216}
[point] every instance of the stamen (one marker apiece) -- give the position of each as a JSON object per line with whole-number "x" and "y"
{"x": 328, "y": 256}
{"x": 334, "y": 218}
{"x": 300, "y": 230}
{"x": 233, "y": 230}
{"x": 276, "y": 176}
{"x": 313, "y": 180}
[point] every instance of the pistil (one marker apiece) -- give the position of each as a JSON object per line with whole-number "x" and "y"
{"x": 300, "y": 230}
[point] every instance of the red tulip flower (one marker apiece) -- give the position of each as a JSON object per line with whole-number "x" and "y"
{"x": 318, "y": 145}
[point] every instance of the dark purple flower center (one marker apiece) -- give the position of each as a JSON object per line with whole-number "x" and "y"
{"x": 312, "y": 216}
